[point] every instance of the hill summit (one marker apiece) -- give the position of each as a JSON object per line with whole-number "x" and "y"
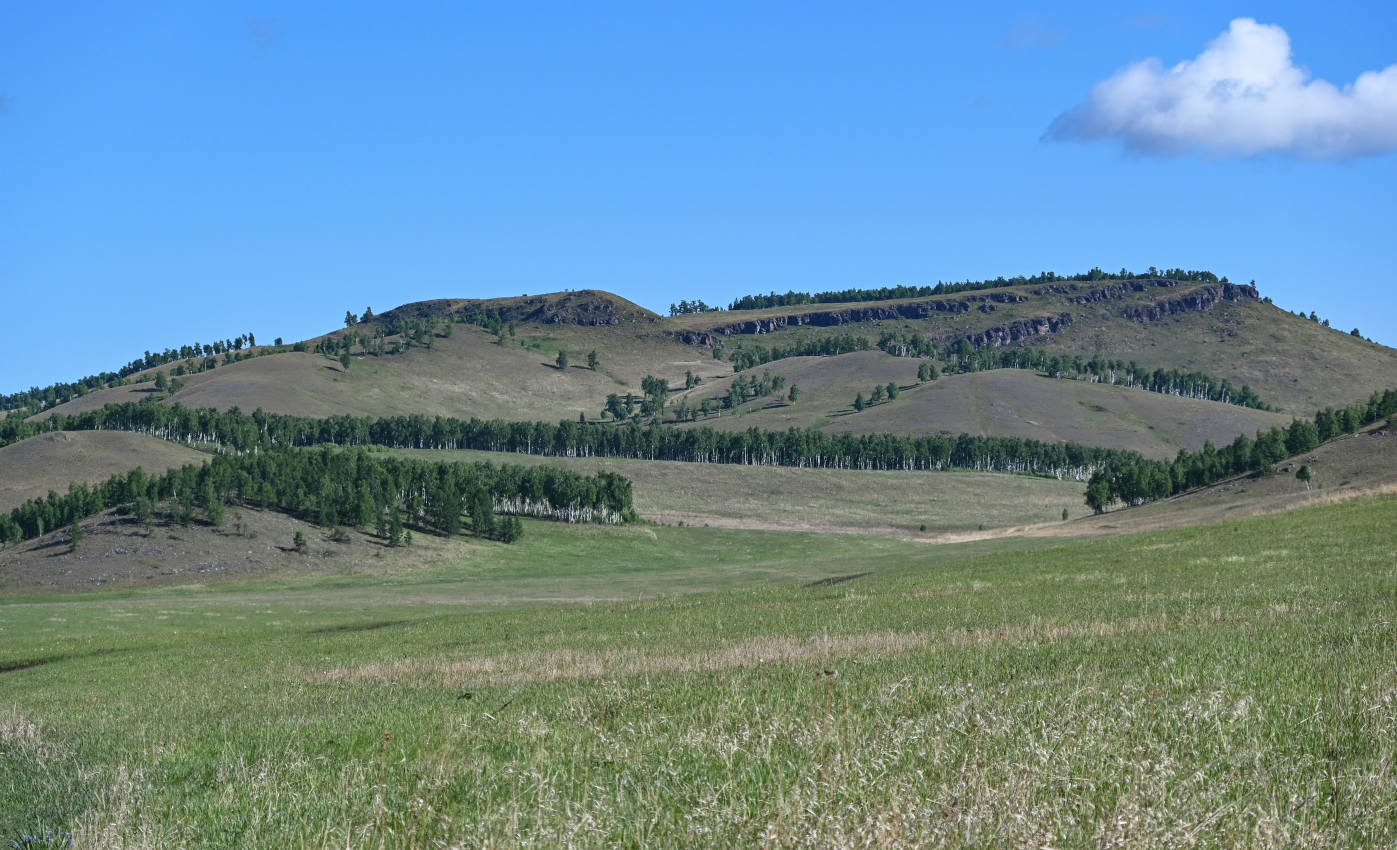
{"x": 587, "y": 307}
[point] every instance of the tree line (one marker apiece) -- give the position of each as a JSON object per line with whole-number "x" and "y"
{"x": 336, "y": 487}
{"x": 1135, "y": 481}
{"x": 239, "y": 432}
{"x": 967, "y": 358}
{"x": 746, "y": 357}
{"x": 885, "y": 293}
{"x": 1098, "y": 369}
{"x": 35, "y": 399}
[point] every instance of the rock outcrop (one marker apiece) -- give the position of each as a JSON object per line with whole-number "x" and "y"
{"x": 1194, "y": 301}
{"x": 853, "y": 315}
{"x": 1020, "y": 330}
{"x": 1114, "y": 291}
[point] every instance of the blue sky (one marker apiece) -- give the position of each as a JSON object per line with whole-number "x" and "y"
{"x": 180, "y": 172}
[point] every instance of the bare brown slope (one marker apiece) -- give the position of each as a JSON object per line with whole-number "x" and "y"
{"x": 1004, "y": 402}
{"x": 31, "y": 468}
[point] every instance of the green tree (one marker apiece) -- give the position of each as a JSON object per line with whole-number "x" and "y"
{"x": 482, "y": 510}
{"x": 963, "y": 353}
{"x": 859, "y": 403}
{"x": 364, "y": 509}
{"x": 1304, "y": 474}
{"x": 344, "y": 360}
{"x": 75, "y": 535}
{"x": 877, "y": 395}
{"x": 592, "y": 360}
{"x": 350, "y": 320}
{"x": 893, "y": 390}
{"x": 161, "y": 383}
{"x": 298, "y": 541}
{"x": 212, "y": 504}
{"x": 562, "y": 360}
{"x": 926, "y": 371}
{"x": 1098, "y": 494}
{"x": 793, "y": 394}
{"x": 395, "y": 527}
{"x": 142, "y": 510}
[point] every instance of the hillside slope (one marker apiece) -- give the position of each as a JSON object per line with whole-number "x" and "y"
{"x": 1343, "y": 468}
{"x": 1292, "y": 363}
{"x": 31, "y": 468}
{"x": 1005, "y": 402}
{"x": 1225, "y": 330}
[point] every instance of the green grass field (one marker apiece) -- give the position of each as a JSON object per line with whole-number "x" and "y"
{"x": 1224, "y": 685}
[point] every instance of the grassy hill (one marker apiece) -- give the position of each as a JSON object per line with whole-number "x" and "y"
{"x": 31, "y": 468}
{"x": 1293, "y": 363}
{"x": 1344, "y": 468}
{"x": 774, "y": 656}
{"x": 1007, "y": 402}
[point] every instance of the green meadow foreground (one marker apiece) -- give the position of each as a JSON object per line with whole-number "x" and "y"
{"x": 1232, "y": 684}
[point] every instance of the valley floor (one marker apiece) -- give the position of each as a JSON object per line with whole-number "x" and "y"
{"x": 1231, "y": 684}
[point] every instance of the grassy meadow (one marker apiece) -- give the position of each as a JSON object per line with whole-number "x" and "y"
{"x": 795, "y": 498}
{"x": 1225, "y": 685}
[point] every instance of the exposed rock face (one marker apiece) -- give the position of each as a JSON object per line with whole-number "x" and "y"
{"x": 1020, "y": 330}
{"x": 1118, "y": 290}
{"x": 1202, "y": 298}
{"x": 872, "y": 313}
{"x": 694, "y": 338}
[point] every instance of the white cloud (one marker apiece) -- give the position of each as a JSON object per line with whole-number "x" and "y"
{"x": 1241, "y": 95}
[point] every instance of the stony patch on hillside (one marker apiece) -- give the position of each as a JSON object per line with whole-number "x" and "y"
{"x": 586, "y": 307}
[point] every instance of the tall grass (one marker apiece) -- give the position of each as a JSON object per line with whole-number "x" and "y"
{"x": 1230, "y": 685}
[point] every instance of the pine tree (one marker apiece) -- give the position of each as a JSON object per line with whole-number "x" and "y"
{"x": 562, "y": 360}
{"x": 395, "y": 526}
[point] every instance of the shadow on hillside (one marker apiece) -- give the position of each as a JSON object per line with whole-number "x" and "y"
{"x": 30, "y": 663}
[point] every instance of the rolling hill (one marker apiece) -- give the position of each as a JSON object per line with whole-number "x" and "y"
{"x": 1293, "y": 364}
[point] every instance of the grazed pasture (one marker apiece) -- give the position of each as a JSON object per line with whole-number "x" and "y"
{"x": 1225, "y": 685}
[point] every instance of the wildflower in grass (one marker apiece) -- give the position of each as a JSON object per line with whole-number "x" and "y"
{"x": 49, "y": 838}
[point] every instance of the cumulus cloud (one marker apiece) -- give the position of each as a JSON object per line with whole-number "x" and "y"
{"x": 1242, "y": 95}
